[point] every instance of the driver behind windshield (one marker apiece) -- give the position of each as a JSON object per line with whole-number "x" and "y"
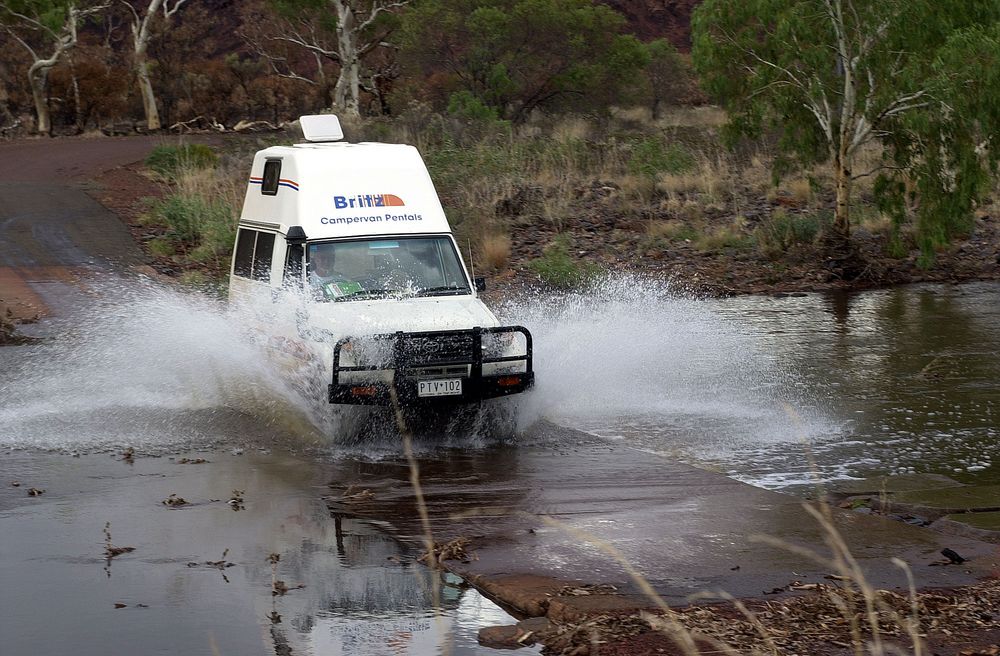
{"x": 322, "y": 267}
{"x": 383, "y": 266}
{"x": 325, "y": 277}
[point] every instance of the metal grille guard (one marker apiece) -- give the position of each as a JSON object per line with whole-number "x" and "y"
{"x": 475, "y": 387}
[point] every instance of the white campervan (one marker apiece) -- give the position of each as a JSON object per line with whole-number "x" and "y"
{"x": 358, "y": 231}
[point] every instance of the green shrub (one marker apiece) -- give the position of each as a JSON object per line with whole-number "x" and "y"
{"x": 179, "y": 215}
{"x": 558, "y": 268}
{"x": 162, "y": 247}
{"x": 652, "y": 157}
{"x": 206, "y": 227}
{"x": 780, "y": 231}
{"x": 463, "y": 104}
{"x": 169, "y": 160}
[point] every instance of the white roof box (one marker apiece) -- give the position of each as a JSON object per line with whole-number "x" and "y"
{"x": 321, "y": 127}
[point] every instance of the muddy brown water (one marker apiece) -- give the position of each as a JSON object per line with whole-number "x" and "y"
{"x": 896, "y": 381}
{"x": 363, "y": 594}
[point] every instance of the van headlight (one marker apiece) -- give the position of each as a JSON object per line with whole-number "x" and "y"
{"x": 504, "y": 345}
{"x": 348, "y": 358}
{"x": 366, "y": 352}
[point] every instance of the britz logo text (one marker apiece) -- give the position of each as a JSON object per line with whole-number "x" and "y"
{"x": 367, "y": 200}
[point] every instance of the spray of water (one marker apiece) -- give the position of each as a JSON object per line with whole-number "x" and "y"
{"x": 633, "y": 358}
{"x": 144, "y": 365}
{"x": 150, "y": 366}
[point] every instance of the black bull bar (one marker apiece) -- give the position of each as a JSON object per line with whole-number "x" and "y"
{"x": 415, "y": 356}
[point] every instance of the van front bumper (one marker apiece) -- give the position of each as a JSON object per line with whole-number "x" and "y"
{"x": 407, "y": 357}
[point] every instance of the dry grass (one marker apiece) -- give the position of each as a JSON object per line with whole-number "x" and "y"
{"x": 572, "y": 128}
{"x": 705, "y": 116}
{"x": 711, "y": 179}
{"x": 226, "y": 182}
{"x": 800, "y": 189}
{"x": 876, "y": 223}
{"x": 686, "y": 209}
{"x": 634, "y": 115}
{"x": 637, "y": 187}
{"x": 496, "y": 251}
{"x": 672, "y": 230}
{"x": 757, "y": 176}
{"x": 722, "y": 237}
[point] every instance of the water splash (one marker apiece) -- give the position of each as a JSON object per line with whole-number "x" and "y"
{"x": 140, "y": 364}
{"x": 636, "y": 359}
{"x": 150, "y": 366}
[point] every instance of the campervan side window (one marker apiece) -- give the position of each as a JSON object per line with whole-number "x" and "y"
{"x": 262, "y": 257}
{"x": 243, "y": 262}
{"x": 272, "y": 174}
{"x": 254, "y": 251}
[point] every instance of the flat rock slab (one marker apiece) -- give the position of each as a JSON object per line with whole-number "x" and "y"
{"x": 977, "y": 525}
{"x": 588, "y": 511}
{"x": 989, "y": 521}
{"x": 876, "y": 485}
{"x": 938, "y": 503}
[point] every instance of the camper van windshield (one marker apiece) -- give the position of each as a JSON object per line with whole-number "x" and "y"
{"x": 413, "y": 266}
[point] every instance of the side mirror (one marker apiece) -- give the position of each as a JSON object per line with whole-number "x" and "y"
{"x": 480, "y": 284}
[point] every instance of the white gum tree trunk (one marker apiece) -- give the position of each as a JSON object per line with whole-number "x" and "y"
{"x": 61, "y": 40}
{"x": 141, "y": 35}
{"x": 346, "y": 91}
{"x": 354, "y": 36}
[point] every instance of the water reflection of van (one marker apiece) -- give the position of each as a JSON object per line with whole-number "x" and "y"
{"x": 390, "y": 306}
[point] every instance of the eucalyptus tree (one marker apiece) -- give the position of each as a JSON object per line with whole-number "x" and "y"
{"x": 143, "y": 21}
{"x": 833, "y": 76}
{"x": 340, "y": 32}
{"x": 668, "y": 75}
{"x": 512, "y": 56}
{"x": 47, "y": 30}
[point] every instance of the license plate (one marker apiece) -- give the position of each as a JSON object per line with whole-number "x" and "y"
{"x": 447, "y": 387}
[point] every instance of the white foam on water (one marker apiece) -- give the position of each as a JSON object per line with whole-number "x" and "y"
{"x": 640, "y": 360}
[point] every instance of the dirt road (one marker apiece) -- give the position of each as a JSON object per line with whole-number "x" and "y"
{"x": 51, "y": 232}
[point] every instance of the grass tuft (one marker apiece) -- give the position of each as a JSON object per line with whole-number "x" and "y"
{"x": 170, "y": 160}
{"x": 496, "y": 251}
{"x": 783, "y": 230}
{"x": 653, "y": 157}
{"x": 560, "y": 269}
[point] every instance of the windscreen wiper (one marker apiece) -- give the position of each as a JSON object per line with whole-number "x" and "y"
{"x": 366, "y": 292}
{"x": 450, "y": 290}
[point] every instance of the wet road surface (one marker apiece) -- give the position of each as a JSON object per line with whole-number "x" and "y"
{"x": 199, "y": 580}
{"x": 545, "y": 506}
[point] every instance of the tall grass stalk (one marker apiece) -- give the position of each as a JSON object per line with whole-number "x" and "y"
{"x": 425, "y": 521}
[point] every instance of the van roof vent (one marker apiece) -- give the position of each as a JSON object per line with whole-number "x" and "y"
{"x": 321, "y": 127}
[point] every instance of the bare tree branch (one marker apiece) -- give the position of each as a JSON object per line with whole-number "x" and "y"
{"x": 378, "y": 10}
